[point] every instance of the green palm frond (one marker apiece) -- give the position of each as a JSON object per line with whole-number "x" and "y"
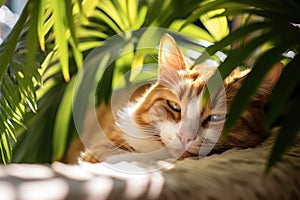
{"x": 21, "y": 69}
{"x": 19, "y": 76}
{"x": 280, "y": 30}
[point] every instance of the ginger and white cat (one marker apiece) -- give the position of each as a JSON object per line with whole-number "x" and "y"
{"x": 169, "y": 113}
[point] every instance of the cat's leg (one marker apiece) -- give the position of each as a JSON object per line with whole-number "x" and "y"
{"x": 101, "y": 151}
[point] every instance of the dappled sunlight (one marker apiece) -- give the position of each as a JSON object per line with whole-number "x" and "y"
{"x": 91, "y": 181}
{"x": 220, "y": 176}
{"x": 29, "y": 171}
{"x": 98, "y": 188}
{"x": 101, "y": 178}
{"x": 52, "y": 189}
{"x": 71, "y": 171}
{"x": 156, "y": 187}
{"x": 7, "y": 191}
{"x": 26, "y": 181}
{"x": 138, "y": 180}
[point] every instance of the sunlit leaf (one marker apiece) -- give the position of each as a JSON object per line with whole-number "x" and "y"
{"x": 27, "y": 89}
{"x": 6, "y": 149}
{"x": 12, "y": 94}
{"x": 114, "y": 14}
{"x": 77, "y": 53}
{"x": 48, "y": 23}
{"x": 3, "y": 152}
{"x": 111, "y": 24}
{"x": 62, "y": 120}
{"x": 70, "y": 20}
{"x": 144, "y": 42}
{"x": 40, "y": 24}
{"x": 10, "y": 129}
{"x": 140, "y": 19}
{"x": 132, "y": 10}
{"x": 217, "y": 27}
{"x": 191, "y": 30}
{"x": 10, "y": 112}
{"x": 136, "y": 66}
{"x": 60, "y": 36}
{"x": 205, "y": 7}
{"x": 234, "y": 36}
{"x": 88, "y": 7}
{"x": 40, "y": 134}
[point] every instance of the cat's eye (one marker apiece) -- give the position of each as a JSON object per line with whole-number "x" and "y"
{"x": 174, "y": 106}
{"x": 217, "y": 117}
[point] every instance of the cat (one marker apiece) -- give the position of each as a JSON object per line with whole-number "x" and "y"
{"x": 169, "y": 113}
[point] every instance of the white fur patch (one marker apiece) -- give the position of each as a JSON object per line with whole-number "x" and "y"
{"x": 169, "y": 137}
{"x": 140, "y": 138}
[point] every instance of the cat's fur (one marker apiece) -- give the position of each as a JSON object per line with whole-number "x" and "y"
{"x": 170, "y": 113}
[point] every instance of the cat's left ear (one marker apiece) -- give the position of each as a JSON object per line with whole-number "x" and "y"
{"x": 169, "y": 54}
{"x": 268, "y": 83}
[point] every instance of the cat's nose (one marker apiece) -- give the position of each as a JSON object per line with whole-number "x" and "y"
{"x": 185, "y": 138}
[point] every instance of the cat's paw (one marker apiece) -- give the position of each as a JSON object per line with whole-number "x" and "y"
{"x": 100, "y": 152}
{"x": 88, "y": 157}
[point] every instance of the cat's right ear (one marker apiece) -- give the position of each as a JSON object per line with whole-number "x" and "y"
{"x": 169, "y": 54}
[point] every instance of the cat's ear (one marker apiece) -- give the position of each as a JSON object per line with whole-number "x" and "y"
{"x": 234, "y": 81}
{"x": 169, "y": 54}
{"x": 268, "y": 83}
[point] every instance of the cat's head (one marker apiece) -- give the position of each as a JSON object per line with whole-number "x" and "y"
{"x": 173, "y": 110}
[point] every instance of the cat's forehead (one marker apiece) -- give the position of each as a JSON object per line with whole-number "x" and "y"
{"x": 193, "y": 75}
{"x": 194, "y": 80}
{"x": 185, "y": 83}
{"x": 190, "y": 84}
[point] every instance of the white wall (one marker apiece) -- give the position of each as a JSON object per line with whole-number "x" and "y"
{"x": 16, "y": 5}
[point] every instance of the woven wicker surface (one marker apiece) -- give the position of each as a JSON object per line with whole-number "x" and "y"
{"x": 235, "y": 174}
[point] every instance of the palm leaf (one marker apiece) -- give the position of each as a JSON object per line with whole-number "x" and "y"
{"x": 62, "y": 121}
{"x": 60, "y": 35}
{"x": 288, "y": 133}
{"x": 20, "y": 76}
{"x": 251, "y": 83}
{"x": 281, "y": 92}
{"x": 278, "y": 16}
